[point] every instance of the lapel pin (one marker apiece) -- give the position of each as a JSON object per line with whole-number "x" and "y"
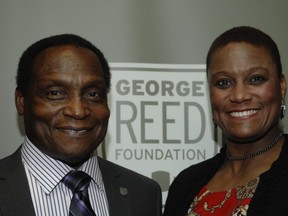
{"x": 123, "y": 191}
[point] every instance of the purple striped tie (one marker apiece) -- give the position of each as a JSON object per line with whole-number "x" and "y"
{"x": 78, "y": 182}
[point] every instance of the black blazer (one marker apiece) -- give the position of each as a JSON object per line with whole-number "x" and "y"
{"x": 143, "y": 197}
{"x": 270, "y": 197}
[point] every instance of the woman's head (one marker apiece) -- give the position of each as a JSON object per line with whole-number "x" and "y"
{"x": 246, "y": 83}
{"x": 248, "y": 35}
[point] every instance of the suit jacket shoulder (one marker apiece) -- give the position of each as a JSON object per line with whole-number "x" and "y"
{"x": 15, "y": 196}
{"x": 128, "y": 192}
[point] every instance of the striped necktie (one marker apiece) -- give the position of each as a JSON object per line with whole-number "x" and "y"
{"x": 78, "y": 182}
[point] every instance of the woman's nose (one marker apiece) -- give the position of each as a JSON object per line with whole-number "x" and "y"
{"x": 240, "y": 93}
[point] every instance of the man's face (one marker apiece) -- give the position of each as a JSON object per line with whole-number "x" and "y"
{"x": 65, "y": 110}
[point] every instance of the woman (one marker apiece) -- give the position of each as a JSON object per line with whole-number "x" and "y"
{"x": 250, "y": 174}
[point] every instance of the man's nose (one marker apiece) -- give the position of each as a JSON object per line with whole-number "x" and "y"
{"x": 76, "y": 109}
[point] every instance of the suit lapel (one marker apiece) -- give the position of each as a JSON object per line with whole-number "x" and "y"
{"x": 116, "y": 189}
{"x": 15, "y": 196}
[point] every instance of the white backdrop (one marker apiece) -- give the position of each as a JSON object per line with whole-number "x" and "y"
{"x": 172, "y": 34}
{"x": 160, "y": 119}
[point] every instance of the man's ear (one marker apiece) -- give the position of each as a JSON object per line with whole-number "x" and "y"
{"x": 19, "y": 101}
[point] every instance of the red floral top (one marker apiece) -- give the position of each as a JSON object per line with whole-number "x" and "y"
{"x": 234, "y": 202}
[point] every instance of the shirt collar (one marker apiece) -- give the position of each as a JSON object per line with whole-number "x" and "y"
{"x": 49, "y": 172}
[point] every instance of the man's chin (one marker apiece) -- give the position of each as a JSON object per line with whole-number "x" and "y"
{"x": 74, "y": 161}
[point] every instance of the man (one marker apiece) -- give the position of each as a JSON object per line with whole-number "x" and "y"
{"x": 62, "y": 86}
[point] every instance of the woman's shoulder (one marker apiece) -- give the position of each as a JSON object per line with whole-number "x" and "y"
{"x": 200, "y": 170}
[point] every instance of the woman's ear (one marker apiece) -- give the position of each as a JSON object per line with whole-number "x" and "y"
{"x": 283, "y": 86}
{"x": 19, "y": 101}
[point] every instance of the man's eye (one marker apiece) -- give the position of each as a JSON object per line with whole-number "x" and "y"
{"x": 94, "y": 96}
{"x": 54, "y": 94}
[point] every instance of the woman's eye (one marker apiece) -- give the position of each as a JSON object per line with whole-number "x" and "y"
{"x": 224, "y": 83}
{"x": 257, "y": 79}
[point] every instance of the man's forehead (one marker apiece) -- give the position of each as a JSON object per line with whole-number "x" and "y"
{"x": 67, "y": 57}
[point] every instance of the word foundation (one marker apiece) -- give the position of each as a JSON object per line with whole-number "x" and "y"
{"x": 160, "y": 154}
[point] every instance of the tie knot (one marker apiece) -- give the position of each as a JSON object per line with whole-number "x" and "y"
{"x": 77, "y": 180}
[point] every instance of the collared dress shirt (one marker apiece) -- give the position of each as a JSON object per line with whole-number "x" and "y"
{"x": 49, "y": 195}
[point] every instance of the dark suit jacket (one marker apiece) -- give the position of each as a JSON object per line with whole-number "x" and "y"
{"x": 143, "y": 197}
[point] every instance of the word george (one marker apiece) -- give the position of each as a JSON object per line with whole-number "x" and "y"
{"x": 163, "y": 88}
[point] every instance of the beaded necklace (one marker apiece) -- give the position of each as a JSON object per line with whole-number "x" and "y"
{"x": 252, "y": 155}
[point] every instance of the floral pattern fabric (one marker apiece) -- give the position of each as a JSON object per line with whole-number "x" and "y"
{"x": 233, "y": 202}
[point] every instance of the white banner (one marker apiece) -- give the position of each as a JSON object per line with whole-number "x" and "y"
{"x": 160, "y": 119}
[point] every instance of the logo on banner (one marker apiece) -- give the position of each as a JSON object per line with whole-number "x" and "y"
{"x": 160, "y": 119}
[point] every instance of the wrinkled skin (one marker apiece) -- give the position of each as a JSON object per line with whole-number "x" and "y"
{"x": 65, "y": 110}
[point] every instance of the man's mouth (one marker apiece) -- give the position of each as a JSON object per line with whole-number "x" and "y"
{"x": 74, "y": 131}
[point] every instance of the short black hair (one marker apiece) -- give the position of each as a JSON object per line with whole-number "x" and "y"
{"x": 249, "y": 35}
{"x": 25, "y": 66}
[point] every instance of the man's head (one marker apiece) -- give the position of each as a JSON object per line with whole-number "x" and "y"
{"x": 25, "y": 66}
{"x": 62, "y": 87}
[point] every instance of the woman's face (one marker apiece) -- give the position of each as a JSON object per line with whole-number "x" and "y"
{"x": 245, "y": 90}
